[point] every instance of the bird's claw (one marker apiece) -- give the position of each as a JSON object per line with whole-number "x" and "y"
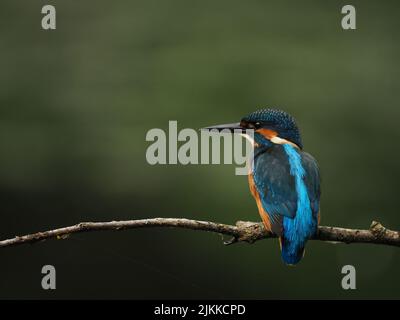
{"x": 231, "y": 241}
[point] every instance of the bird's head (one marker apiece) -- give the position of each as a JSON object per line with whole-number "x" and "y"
{"x": 269, "y": 125}
{"x": 274, "y": 125}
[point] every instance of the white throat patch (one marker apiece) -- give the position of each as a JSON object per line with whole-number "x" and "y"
{"x": 276, "y": 140}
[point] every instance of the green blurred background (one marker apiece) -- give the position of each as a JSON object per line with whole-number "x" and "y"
{"x": 76, "y": 104}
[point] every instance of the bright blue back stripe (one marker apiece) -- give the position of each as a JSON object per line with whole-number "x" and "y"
{"x": 302, "y": 226}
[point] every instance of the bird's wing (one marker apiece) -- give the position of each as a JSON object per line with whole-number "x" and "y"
{"x": 312, "y": 181}
{"x": 275, "y": 185}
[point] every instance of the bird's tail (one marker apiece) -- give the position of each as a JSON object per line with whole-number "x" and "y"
{"x": 292, "y": 252}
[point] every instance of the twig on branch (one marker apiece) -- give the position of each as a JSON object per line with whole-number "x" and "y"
{"x": 241, "y": 232}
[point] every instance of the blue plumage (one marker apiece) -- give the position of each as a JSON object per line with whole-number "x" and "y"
{"x": 286, "y": 180}
{"x": 279, "y": 120}
{"x": 304, "y": 224}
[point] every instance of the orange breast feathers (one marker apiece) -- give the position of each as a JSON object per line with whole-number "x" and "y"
{"x": 263, "y": 214}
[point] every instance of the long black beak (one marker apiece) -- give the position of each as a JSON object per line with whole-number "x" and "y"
{"x": 230, "y": 127}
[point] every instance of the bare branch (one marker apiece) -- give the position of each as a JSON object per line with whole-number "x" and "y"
{"x": 241, "y": 232}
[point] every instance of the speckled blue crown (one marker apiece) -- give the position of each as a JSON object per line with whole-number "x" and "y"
{"x": 278, "y": 120}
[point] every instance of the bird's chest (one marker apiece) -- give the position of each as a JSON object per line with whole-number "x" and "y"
{"x": 263, "y": 161}
{"x": 271, "y": 173}
{"x": 252, "y": 186}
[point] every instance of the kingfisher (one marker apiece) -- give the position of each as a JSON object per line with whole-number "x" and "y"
{"x": 284, "y": 179}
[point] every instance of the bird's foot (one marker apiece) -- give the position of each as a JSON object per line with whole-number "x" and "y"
{"x": 231, "y": 241}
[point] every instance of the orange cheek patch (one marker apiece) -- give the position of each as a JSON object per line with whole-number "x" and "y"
{"x": 267, "y": 133}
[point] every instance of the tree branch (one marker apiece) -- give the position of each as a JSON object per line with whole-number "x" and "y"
{"x": 241, "y": 232}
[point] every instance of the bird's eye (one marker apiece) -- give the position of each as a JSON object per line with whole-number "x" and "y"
{"x": 257, "y": 125}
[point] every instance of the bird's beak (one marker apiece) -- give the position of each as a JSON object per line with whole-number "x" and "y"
{"x": 230, "y": 127}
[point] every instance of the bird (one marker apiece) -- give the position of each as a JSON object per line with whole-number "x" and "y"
{"x": 284, "y": 179}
